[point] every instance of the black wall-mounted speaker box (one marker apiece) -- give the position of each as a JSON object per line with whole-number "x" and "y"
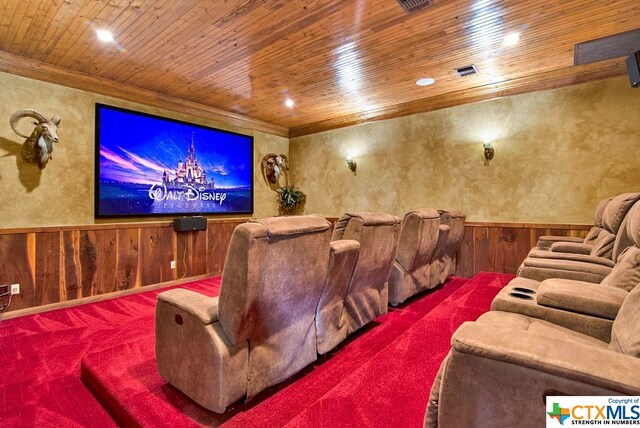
{"x": 186, "y": 224}
{"x": 633, "y": 68}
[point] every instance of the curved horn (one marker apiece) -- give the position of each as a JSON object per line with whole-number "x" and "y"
{"x": 286, "y": 162}
{"x": 285, "y": 170}
{"x": 16, "y": 116}
{"x": 265, "y": 165}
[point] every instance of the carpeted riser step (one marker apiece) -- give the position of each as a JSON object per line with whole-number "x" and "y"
{"x": 368, "y": 355}
{"x": 40, "y": 357}
{"x": 402, "y": 372}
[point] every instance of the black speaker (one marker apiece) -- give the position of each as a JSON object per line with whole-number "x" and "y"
{"x": 185, "y": 224}
{"x": 633, "y": 68}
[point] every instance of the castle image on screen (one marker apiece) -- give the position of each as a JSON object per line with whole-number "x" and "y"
{"x": 188, "y": 172}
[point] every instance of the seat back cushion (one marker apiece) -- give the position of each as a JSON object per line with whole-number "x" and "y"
{"x": 617, "y": 209}
{"x": 613, "y": 239}
{"x": 625, "y": 334}
{"x": 626, "y": 273}
{"x": 418, "y": 238}
{"x": 599, "y": 213}
{"x": 377, "y": 233}
{"x": 628, "y": 233}
{"x": 598, "y": 221}
{"x": 271, "y": 285}
{"x": 592, "y": 235}
{"x": 603, "y": 244}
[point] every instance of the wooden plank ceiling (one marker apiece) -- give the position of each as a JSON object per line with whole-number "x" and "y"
{"x": 342, "y": 62}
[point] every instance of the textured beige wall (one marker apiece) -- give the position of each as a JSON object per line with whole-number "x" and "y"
{"x": 558, "y": 152}
{"x": 62, "y": 193}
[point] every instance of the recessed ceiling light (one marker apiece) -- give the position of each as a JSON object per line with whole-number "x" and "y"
{"x": 289, "y": 102}
{"x": 104, "y": 35}
{"x": 425, "y": 81}
{"x": 511, "y": 39}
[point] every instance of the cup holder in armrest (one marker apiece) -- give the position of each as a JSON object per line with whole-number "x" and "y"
{"x": 524, "y": 290}
{"x": 521, "y": 296}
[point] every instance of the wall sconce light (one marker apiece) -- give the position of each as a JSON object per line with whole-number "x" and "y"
{"x": 352, "y": 164}
{"x": 489, "y": 152}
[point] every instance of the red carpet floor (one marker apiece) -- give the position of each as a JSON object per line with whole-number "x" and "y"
{"x": 381, "y": 377}
{"x": 40, "y": 358}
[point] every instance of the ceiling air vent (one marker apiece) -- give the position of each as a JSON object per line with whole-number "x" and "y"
{"x": 468, "y": 70}
{"x": 414, "y": 5}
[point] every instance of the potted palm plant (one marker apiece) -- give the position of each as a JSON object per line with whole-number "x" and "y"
{"x": 289, "y": 198}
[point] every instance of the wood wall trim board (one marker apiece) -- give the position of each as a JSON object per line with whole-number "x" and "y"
{"x": 26, "y": 67}
{"x": 93, "y": 299}
{"x": 528, "y": 225}
{"x": 537, "y": 82}
{"x": 103, "y": 226}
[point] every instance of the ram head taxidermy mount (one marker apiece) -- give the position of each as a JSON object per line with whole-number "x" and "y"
{"x": 38, "y": 146}
{"x": 274, "y": 167}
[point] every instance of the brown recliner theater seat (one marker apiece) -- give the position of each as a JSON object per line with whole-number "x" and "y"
{"x": 420, "y": 238}
{"x": 611, "y": 242}
{"x": 577, "y": 245}
{"x": 502, "y": 366}
{"x": 344, "y": 310}
{"x": 260, "y": 330}
{"x": 582, "y": 306}
{"x": 609, "y": 215}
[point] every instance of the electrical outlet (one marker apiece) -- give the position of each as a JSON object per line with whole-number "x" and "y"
{"x": 15, "y": 289}
{"x": 173, "y": 264}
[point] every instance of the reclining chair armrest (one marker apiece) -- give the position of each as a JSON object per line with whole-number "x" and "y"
{"x": 576, "y": 257}
{"x": 203, "y": 307}
{"x": 443, "y": 235}
{"x": 441, "y": 244}
{"x": 343, "y": 255}
{"x": 599, "y": 367}
{"x": 331, "y": 327}
{"x": 571, "y": 247}
{"x": 546, "y": 241}
{"x": 582, "y": 297}
{"x": 344, "y": 246}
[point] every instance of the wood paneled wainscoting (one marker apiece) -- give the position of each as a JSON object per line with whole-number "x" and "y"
{"x": 501, "y": 247}
{"x": 60, "y": 265}
{"x": 63, "y": 264}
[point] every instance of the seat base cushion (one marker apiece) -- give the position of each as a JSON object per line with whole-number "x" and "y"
{"x": 510, "y": 299}
{"x": 537, "y": 326}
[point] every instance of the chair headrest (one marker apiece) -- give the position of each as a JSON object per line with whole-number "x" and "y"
{"x": 598, "y": 221}
{"x": 367, "y": 218}
{"x": 293, "y": 225}
{"x": 373, "y": 219}
{"x": 617, "y": 209}
{"x": 423, "y": 213}
{"x": 452, "y": 213}
{"x": 633, "y": 224}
